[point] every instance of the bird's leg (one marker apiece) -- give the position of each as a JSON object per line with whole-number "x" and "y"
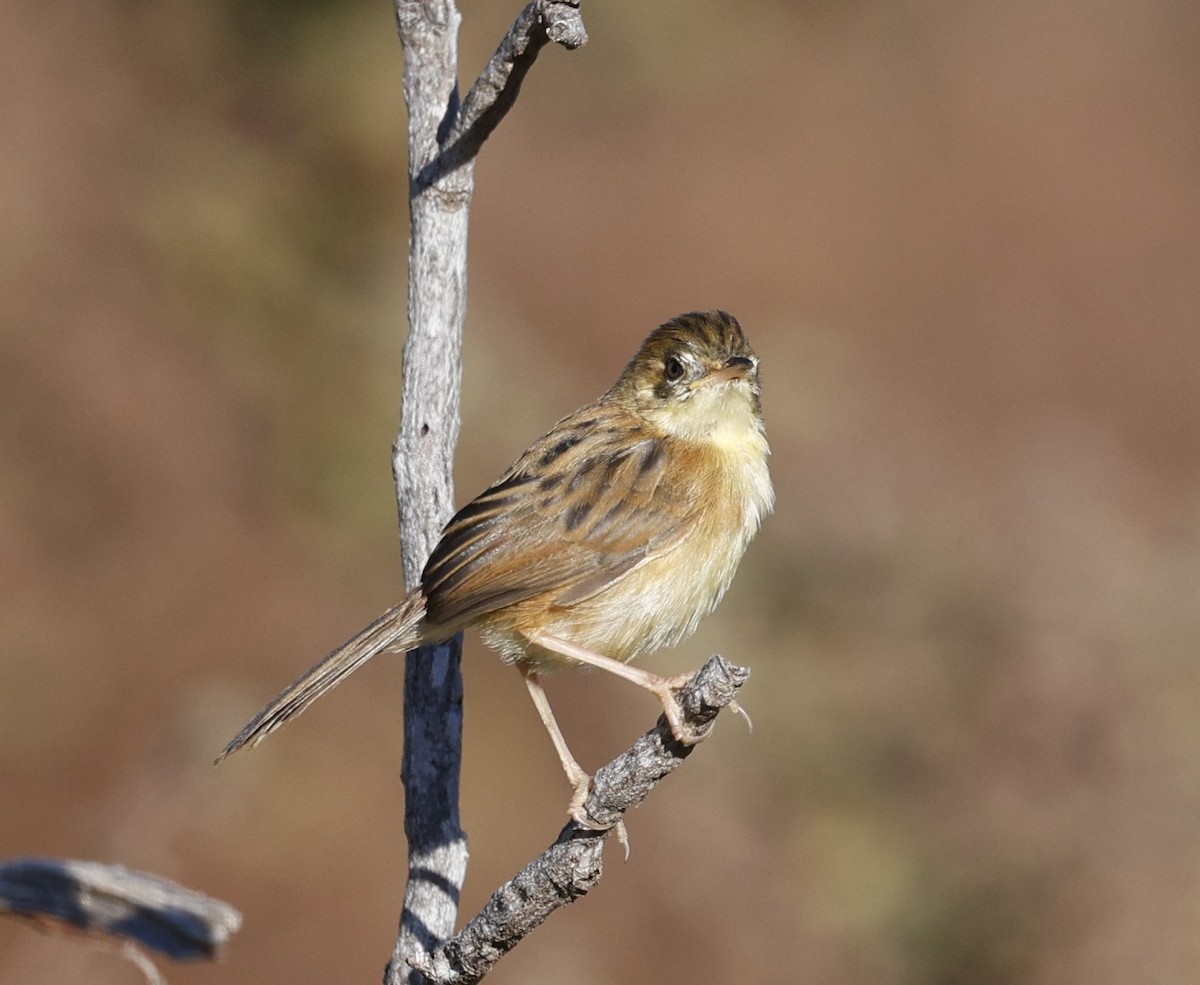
{"x": 578, "y": 778}
{"x": 662, "y": 688}
{"x": 580, "y": 781}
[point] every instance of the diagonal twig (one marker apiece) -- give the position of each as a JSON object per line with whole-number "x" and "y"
{"x": 571, "y": 866}
{"x": 499, "y": 84}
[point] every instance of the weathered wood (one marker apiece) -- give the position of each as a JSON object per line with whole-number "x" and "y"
{"x": 443, "y": 139}
{"x": 422, "y": 465}
{"x": 119, "y": 904}
{"x": 571, "y": 866}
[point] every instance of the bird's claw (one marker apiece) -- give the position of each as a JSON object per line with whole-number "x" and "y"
{"x": 685, "y": 734}
{"x": 666, "y": 690}
{"x": 580, "y": 816}
{"x": 737, "y": 709}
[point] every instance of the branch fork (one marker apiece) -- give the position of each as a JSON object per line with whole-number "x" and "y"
{"x": 493, "y": 94}
{"x": 571, "y": 866}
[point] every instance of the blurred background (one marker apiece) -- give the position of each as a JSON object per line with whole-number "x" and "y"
{"x": 965, "y": 241}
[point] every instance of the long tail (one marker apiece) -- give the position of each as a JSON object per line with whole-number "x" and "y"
{"x": 396, "y": 629}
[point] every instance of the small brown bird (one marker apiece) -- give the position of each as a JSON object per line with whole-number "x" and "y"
{"x": 610, "y": 537}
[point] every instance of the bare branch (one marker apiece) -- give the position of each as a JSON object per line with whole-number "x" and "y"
{"x": 499, "y": 84}
{"x": 571, "y": 866}
{"x": 110, "y": 901}
{"x": 443, "y": 140}
{"x": 422, "y": 464}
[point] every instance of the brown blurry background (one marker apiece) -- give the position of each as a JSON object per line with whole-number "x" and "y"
{"x": 965, "y": 240}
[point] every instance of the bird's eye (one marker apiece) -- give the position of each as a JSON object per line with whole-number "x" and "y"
{"x": 673, "y": 369}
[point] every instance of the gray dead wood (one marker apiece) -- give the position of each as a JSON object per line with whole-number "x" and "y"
{"x": 571, "y": 866}
{"x": 443, "y": 140}
{"x": 122, "y": 906}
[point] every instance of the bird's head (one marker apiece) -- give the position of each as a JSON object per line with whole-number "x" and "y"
{"x": 696, "y": 377}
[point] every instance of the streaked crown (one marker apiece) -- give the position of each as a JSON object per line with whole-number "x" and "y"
{"x": 680, "y": 355}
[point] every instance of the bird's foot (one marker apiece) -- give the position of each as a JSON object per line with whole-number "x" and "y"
{"x": 578, "y": 814}
{"x": 665, "y": 688}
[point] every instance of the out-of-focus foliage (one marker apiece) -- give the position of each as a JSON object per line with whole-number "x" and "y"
{"x": 964, "y": 241}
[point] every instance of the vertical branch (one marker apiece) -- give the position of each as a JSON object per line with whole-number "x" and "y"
{"x": 422, "y": 464}
{"x": 443, "y": 141}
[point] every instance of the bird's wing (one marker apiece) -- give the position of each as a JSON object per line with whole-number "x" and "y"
{"x": 582, "y": 508}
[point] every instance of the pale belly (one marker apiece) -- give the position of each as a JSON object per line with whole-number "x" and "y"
{"x": 655, "y": 605}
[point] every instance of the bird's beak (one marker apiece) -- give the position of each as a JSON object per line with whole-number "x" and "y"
{"x": 735, "y": 368}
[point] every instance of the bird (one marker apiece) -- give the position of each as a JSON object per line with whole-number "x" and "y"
{"x": 610, "y": 537}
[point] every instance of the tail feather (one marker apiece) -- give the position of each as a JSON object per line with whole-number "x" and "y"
{"x": 396, "y": 629}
